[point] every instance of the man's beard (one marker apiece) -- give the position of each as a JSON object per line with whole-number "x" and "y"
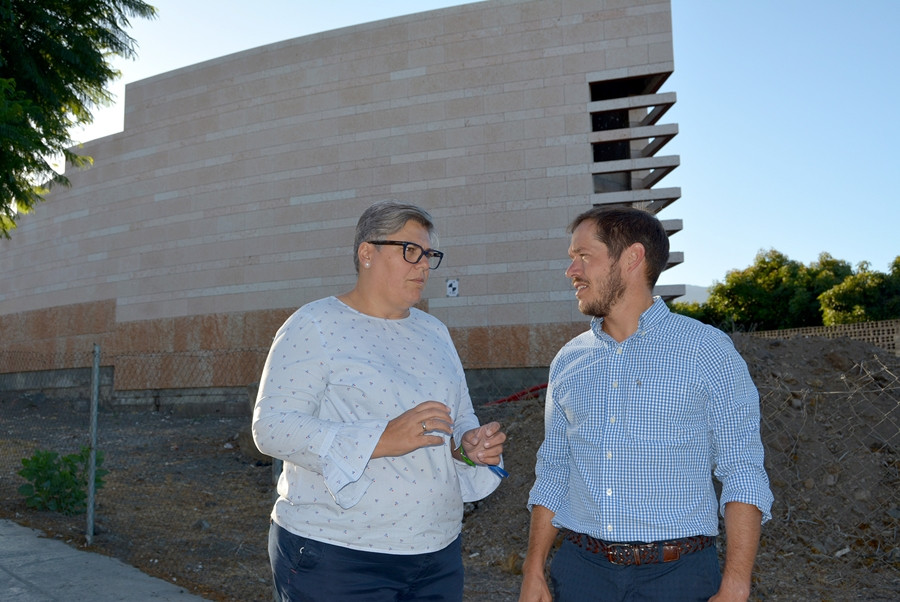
{"x": 612, "y": 290}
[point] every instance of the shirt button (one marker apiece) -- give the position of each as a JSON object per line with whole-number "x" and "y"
{"x": 615, "y": 384}
{"x": 609, "y": 528}
{"x": 619, "y": 351}
{"x": 608, "y": 455}
{"x": 609, "y": 492}
{"x": 612, "y": 419}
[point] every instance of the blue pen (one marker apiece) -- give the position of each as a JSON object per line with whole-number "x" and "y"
{"x": 498, "y": 471}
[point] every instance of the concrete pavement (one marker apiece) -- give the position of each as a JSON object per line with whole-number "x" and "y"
{"x": 34, "y": 568}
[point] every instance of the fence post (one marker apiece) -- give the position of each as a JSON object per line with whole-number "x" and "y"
{"x": 92, "y": 459}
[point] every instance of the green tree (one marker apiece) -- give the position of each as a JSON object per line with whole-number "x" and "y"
{"x": 53, "y": 70}
{"x": 699, "y": 311}
{"x": 775, "y": 292}
{"x": 865, "y": 296}
{"x": 820, "y": 276}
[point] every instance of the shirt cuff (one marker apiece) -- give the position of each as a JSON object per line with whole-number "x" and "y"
{"x": 476, "y": 482}
{"x": 345, "y": 454}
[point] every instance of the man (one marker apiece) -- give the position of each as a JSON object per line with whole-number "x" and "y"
{"x": 642, "y": 409}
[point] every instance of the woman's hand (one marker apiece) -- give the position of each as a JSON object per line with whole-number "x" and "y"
{"x": 411, "y": 430}
{"x": 485, "y": 443}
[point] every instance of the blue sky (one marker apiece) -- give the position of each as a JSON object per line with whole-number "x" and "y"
{"x": 786, "y": 109}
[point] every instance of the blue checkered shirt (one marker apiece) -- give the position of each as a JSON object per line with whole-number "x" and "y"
{"x": 635, "y": 430}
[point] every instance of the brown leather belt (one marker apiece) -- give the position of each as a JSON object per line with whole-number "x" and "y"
{"x": 641, "y": 553}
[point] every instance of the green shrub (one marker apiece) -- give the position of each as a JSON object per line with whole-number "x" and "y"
{"x": 59, "y": 483}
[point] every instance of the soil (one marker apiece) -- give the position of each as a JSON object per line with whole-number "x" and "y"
{"x": 187, "y": 498}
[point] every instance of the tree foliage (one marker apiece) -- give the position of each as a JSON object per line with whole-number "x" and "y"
{"x": 776, "y": 293}
{"x": 865, "y": 296}
{"x": 53, "y": 70}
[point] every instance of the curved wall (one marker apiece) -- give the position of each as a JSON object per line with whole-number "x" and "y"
{"x": 233, "y": 191}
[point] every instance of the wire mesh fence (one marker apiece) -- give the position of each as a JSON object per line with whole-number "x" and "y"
{"x": 832, "y": 458}
{"x": 831, "y": 429}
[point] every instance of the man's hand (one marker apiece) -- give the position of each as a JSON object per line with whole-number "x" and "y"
{"x": 534, "y": 588}
{"x": 731, "y": 591}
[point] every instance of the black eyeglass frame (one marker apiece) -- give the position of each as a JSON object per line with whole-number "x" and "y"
{"x": 429, "y": 253}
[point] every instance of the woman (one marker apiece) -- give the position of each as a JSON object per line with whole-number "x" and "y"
{"x": 364, "y": 398}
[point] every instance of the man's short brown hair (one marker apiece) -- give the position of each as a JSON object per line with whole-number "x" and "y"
{"x": 620, "y": 227}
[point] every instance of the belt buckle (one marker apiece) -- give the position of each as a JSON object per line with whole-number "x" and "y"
{"x": 671, "y": 553}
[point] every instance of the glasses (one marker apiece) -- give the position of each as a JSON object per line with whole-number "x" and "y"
{"x": 413, "y": 253}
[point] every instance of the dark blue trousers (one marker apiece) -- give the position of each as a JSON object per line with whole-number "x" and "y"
{"x": 577, "y": 575}
{"x": 306, "y": 570}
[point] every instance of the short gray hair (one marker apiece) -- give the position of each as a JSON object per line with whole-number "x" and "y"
{"x": 387, "y": 217}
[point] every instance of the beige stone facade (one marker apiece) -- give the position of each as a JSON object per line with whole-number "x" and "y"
{"x": 231, "y": 196}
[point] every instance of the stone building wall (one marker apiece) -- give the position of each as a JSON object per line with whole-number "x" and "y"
{"x": 231, "y": 195}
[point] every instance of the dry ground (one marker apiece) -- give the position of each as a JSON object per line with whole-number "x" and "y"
{"x": 183, "y": 501}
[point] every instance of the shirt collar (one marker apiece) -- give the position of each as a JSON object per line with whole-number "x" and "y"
{"x": 646, "y": 322}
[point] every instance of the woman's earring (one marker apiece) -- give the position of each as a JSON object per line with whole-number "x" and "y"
{"x": 368, "y": 265}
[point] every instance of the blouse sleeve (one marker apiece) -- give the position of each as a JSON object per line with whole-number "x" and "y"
{"x": 286, "y": 423}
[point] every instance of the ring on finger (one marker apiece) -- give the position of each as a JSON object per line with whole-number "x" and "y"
{"x": 424, "y": 428}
